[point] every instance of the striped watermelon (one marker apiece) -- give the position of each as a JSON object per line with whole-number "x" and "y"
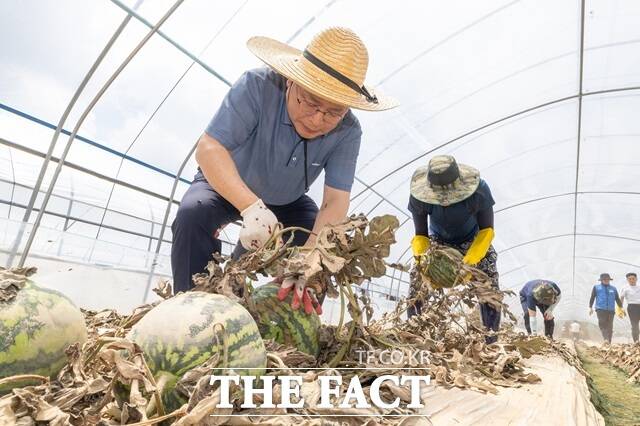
{"x": 178, "y": 335}
{"x": 35, "y": 329}
{"x": 278, "y": 321}
{"x": 443, "y": 266}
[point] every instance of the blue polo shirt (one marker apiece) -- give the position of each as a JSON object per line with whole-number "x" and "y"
{"x": 254, "y": 125}
{"x": 457, "y": 223}
{"x": 526, "y": 293}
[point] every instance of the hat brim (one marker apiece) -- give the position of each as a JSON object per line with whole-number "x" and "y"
{"x": 289, "y": 62}
{"x": 445, "y": 196}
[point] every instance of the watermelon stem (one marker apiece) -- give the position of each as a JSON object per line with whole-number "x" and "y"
{"x": 178, "y": 413}
{"x": 22, "y": 377}
{"x": 356, "y": 315}
{"x": 157, "y": 393}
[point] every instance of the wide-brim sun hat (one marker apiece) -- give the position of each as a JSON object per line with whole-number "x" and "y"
{"x": 333, "y": 66}
{"x": 545, "y": 294}
{"x": 444, "y": 181}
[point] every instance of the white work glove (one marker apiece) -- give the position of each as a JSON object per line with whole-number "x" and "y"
{"x": 533, "y": 323}
{"x": 258, "y": 224}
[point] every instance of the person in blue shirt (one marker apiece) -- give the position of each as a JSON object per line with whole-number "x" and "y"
{"x": 543, "y": 295}
{"x": 276, "y": 130}
{"x": 607, "y": 303}
{"x": 452, "y": 205}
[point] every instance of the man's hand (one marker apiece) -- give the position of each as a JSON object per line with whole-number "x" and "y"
{"x": 548, "y": 316}
{"x": 258, "y": 224}
{"x": 590, "y": 311}
{"x": 301, "y": 294}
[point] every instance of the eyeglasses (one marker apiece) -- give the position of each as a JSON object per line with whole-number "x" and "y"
{"x": 309, "y": 108}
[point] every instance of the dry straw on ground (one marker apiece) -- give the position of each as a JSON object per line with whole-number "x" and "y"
{"x": 343, "y": 257}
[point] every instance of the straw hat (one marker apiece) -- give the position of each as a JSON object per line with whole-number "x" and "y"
{"x": 444, "y": 181}
{"x": 333, "y": 66}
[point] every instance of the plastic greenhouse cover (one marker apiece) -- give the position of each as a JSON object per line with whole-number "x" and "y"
{"x": 505, "y": 86}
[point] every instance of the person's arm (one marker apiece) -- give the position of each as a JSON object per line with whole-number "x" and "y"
{"x": 482, "y": 241}
{"x": 421, "y": 223}
{"x": 334, "y": 208}
{"x": 220, "y": 171}
{"x": 549, "y": 312}
{"x": 618, "y": 301}
{"x": 533, "y": 319}
{"x": 420, "y": 213}
{"x": 593, "y": 297}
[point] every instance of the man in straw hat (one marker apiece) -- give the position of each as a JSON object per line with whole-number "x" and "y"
{"x": 608, "y": 303}
{"x": 276, "y": 130}
{"x": 544, "y": 295}
{"x": 457, "y": 205}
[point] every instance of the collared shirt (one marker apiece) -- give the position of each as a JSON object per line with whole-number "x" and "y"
{"x": 457, "y": 223}
{"x": 631, "y": 294}
{"x": 254, "y": 125}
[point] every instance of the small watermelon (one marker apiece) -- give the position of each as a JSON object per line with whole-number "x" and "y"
{"x": 443, "y": 266}
{"x": 278, "y": 321}
{"x": 178, "y": 335}
{"x": 36, "y": 327}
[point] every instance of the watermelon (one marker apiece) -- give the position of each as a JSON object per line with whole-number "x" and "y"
{"x": 278, "y": 321}
{"x": 36, "y": 327}
{"x": 178, "y": 335}
{"x": 443, "y": 266}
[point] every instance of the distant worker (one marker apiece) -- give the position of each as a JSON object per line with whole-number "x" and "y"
{"x": 631, "y": 293}
{"x": 544, "y": 295}
{"x": 574, "y": 328}
{"x": 452, "y": 205}
{"x": 608, "y": 303}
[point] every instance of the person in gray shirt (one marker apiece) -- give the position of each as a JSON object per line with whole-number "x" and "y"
{"x": 276, "y": 130}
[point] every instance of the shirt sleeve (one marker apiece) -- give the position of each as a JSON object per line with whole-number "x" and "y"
{"x": 485, "y": 200}
{"x": 523, "y": 294}
{"x": 239, "y": 113}
{"x": 340, "y": 169}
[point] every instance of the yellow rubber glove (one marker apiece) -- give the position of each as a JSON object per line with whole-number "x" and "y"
{"x": 419, "y": 245}
{"x": 620, "y": 312}
{"x": 479, "y": 247}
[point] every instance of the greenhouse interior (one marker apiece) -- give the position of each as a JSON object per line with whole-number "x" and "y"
{"x": 103, "y": 105}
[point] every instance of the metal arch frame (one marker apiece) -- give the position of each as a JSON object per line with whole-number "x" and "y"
{"x": 85, "y": 113}
{"x": 133, "y": 13}
{"x": 491, "y": 124}
{"x": 578, "y": 143}
{"x": 179, "y": 173}
{"x": 604, "y": 259}
{"x": 52, "y": 144}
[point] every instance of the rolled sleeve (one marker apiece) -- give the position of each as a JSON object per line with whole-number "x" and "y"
{"x": 239, "y": 113}
{"x": 340, "y": 169}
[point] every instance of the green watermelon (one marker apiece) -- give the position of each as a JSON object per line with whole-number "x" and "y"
{"x": 178, "y": 335}
{"x": 35, "y": 329}
{"x": 443, "y": 266}
{"x": 278, "y": 321}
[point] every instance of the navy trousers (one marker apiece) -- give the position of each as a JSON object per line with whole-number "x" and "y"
{"x": 202, "y": 211}
{"x": 549, "y": 325}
